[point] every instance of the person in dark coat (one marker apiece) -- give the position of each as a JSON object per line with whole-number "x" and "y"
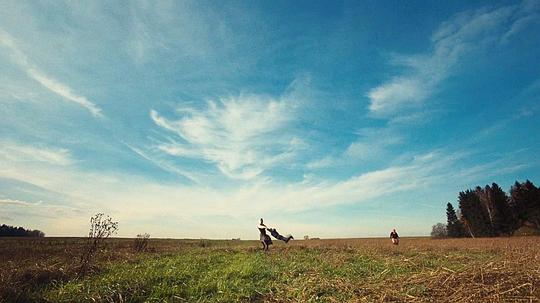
{"x": 395, "y": 237}
{"x": 265, "y": 239}
{"x": 276, "y": 235}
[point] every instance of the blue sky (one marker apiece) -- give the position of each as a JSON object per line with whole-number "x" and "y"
{"x": 194, "y": 119}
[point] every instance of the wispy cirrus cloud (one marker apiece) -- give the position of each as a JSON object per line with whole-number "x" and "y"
{"x": 16, "y": 152}
{"x": 165, "y": 165}
{"x": 243, "y": 135}
{"x": 451, "y": 42}
{"x": 51, "y": 84}
{"x": 135, "y": 199}
{"x": 39, "y": 208}
{"x": 371, "y": 143}
{"x": 19, "y": 202}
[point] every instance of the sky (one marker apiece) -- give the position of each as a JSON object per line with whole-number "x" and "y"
{"x": 330, "y": 119}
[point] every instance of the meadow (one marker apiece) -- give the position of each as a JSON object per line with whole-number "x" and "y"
{"x": 339, "y": 270}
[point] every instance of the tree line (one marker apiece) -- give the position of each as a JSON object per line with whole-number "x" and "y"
{"x": 491, "y": 212}
{"x": 13, "y": 231}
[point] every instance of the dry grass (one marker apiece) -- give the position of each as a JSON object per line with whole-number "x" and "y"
{"x": 353, "y": 270}
{"x": 450, "y": 270}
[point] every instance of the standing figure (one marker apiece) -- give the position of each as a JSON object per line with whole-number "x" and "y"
{"x": 265, "y": 239}
{"x": 395, "y": 237}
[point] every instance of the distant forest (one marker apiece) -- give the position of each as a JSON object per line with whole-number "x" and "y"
{"x": 491, "y": 212}
{"x": 12, "y": 231}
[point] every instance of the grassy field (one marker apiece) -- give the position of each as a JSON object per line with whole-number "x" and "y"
{"x": 347, "y": 270}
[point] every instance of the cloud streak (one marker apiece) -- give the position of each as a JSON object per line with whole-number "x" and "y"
{"x": 43, "y": 79}
{"x": 15, "y": 152}
{"x": 163, "y": 164}
{"x": 19, "y": 202}
{"x": 21, "y": 208}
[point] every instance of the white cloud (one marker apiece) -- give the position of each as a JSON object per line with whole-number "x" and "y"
{"x": 153, "y": 29}
{"x": 528, "y": 12}
{"x": 321, "y": 163}
{"x": 255, "y": 198}
{"x": 453, "y": 40}
{"x": 16, "y": 152}
{"x": 46, "y": 81}
{"x": 134, "y": 200}
{"x": 373, "y": 143}
{"x": 19, "y": 202}
{"x": 397, "y": 93}
{"x": 243, "y": 136}
{"x": 63, "y": 91}
{"x": 38, "y": 209}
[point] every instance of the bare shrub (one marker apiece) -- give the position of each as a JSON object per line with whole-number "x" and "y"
{"x": 141, "y": 242}
{"x": 438, "y": 231}
{"x": 101, "y": 228}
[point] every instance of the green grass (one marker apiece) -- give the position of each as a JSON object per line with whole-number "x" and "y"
{"x": 227, "y": 275}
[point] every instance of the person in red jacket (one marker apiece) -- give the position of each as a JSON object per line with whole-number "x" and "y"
{"x": 395, "y": 237}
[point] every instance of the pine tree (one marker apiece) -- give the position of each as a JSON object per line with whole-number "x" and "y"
{"x": 474, "y": 214}
{"x": 502, "y": 218}
{"x": 525, "y": 202}
{"x": 485, "y": 203}
{"x": 454, "y": 226}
